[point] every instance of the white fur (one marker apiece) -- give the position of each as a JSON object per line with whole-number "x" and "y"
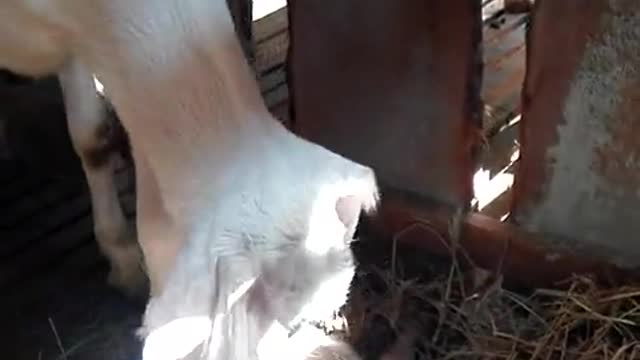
{"x": 237, "y": 216}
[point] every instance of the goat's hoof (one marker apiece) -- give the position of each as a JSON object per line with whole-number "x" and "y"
{"x": 131, "y": 282}
{"x": 127, "y": 272}
{"x": 128, "y": 275}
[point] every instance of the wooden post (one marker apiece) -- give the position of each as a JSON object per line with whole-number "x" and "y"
{"x": 242, "y": 14}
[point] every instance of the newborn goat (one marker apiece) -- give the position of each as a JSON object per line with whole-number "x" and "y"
{"x": 243, "y": 225}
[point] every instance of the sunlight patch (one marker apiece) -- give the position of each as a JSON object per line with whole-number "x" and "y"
{"x": 263, "y": 8}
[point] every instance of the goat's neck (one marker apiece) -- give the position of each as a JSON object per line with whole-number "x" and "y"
{"x": 179, "y": 80}
{"x": 176, "y": 74}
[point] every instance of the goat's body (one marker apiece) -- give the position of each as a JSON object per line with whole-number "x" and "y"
{"x": 227, "y": 197}
{"x": 28, "y": 45}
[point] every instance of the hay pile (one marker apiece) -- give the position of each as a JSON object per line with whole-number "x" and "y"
{"x": 444, "y": 312}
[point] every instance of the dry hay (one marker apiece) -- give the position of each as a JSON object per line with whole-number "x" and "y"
{"x": 445, "y": 312}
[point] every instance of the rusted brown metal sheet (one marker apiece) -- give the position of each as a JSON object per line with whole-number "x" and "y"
{"x": 579, "y": 177}
{"x": 392, "y": 84}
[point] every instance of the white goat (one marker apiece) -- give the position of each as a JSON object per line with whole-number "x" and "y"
{"x": 242, "y": 224}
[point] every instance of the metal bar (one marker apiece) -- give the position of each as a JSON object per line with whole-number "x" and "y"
{"x": 523, "y": 258}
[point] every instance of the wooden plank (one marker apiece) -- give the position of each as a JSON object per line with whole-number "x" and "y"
{"x": 277, "y": 96}
{"x": 270, "y": 25}
{"x": 272, "y": 53}
{"x": 36, "y": 229}
{"x": 273, "y": 79}
{"x": 504, "y": 58}
{"x": 511, "y": 85}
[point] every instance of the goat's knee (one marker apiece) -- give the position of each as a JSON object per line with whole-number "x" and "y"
{"x": 93, "y": 137}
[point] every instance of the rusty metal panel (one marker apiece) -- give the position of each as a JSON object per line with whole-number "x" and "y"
{"x": 579, "y": 175}
{"x": 392, "y": 84}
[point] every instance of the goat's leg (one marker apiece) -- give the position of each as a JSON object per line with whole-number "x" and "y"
{"x": 87, "y": 119}
{"x": 158, "y": 240}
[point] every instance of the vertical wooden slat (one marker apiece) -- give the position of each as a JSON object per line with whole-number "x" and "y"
{"x": 242, "y": 14}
